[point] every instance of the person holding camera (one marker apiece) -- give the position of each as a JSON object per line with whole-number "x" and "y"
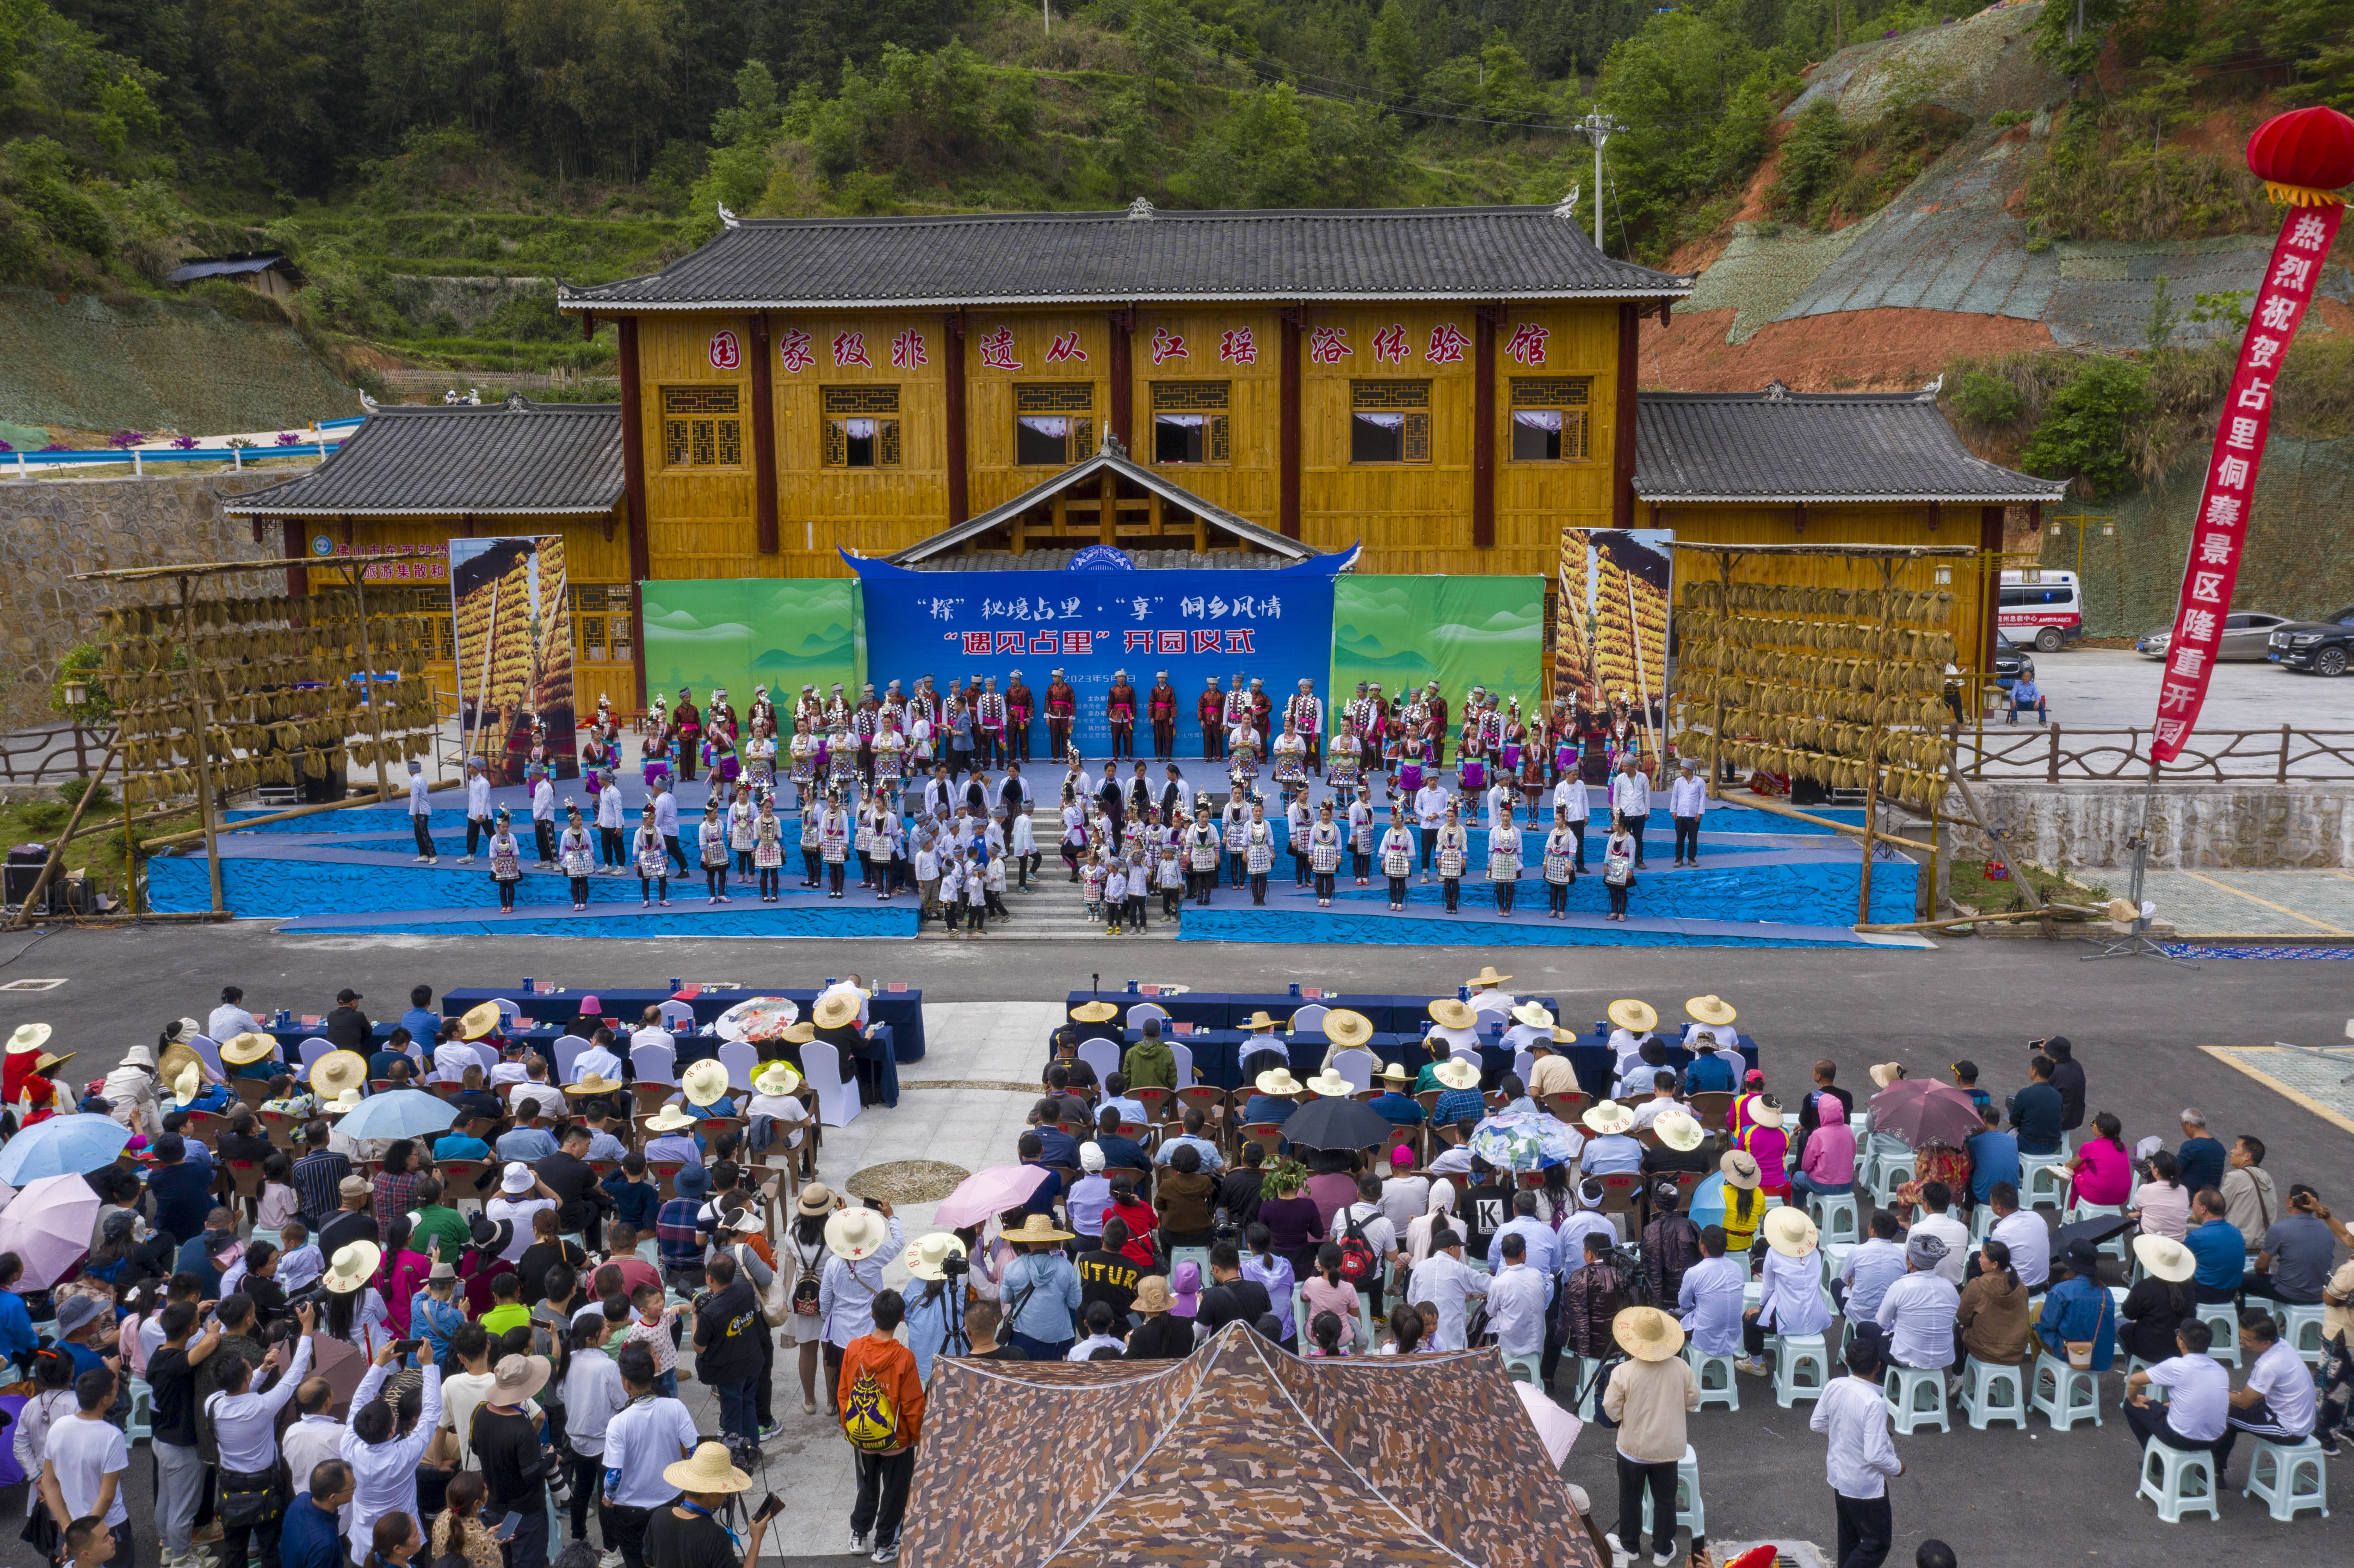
{"x": 688, "y": 1534}
{"x": 252, "y": 1493}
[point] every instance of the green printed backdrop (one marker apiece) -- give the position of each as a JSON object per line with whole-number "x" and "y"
{"x": 1460, "y": 632}
{"x": 775, "y": 631}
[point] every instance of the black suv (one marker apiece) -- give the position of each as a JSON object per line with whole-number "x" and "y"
{"x": 2323, "y": 647}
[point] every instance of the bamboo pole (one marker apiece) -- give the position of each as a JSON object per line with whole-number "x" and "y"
{"x": 57, "y": 850}
{"x": 293, "y": 812}
{"x": 1870, "y": 821}
{"x": 1716, "y": 727}
{"x": 2046, "y": 913}
{"x": 1776, "y": 808}
{"x": 130, "y": 851}
{"x": 367, "y": 671}
{"x": 204, "y": 748}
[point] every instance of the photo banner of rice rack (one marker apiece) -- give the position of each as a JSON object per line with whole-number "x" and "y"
{"x": 511, "y": 621}
{"x": 1610, "y": 625}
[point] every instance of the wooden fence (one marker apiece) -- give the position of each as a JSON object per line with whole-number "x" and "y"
{"x": 2057, "y": 754}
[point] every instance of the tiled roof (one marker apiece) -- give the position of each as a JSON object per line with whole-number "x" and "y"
{"x": 1061, "y": 257}
{"x": 516, "y": 458}
{"x": 1797, "y": 447}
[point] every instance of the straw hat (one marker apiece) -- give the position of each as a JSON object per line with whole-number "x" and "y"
{"x": 1346, "y": 1028}
{"x": 1646, "y": 1333}
{"x": 705, "y": 1472}
{"x": 1740, "y": 1168}
{"x": 1331, "y": 1084}
{"x": 1278, "y": 1081}
{"x": 816, "y": 1198}
{"x": 1789, "y": 1232}
{"x": 1609, "y": 1116}
{"x": 670, "y": 1118}
{"x": 2165, "y": 1257}
{"x": 1395, "y": 1073}
{"x": 928, "y": 1255}
{"x": 1037, "y": 1228}
{"x": 834, "y": 1010}
{"x": 1097, "y": 1011}
{"x": 706, "y": 1082}
{"x": 1257, "y": 1022}
{"x": 352, "y": 1266}
{"x": 1153, "y": 1295}
{"x": 517, "y": 1378}
{"x": 1886, "y": 1072}
{"x": 595, "y": 1083}
{"x": 237, "y": 1051}
{"x": 1532, "y": 1013}
{"x": 856, "y": 1234}
{"x": 800, "y": 1034}
{"x": 1633, "y": 1016}
{"x": 47, "y": 1060}
{"x": 1564, "y": 1037}
{"x": 1486, "y": 977}
{"x": 336, "y": 1071}
{"x": 777, "y": 1079}
{"x": 1765, "y": 1111}
{"x": 1679, "y": 1131}
{"x": 476, "y": 1023}
{"x": 189, "y": 1083}
{"x": 176, "y": 1057}
{"x": 27, "y": 1039}
{"x": 1449, "y": 1014}
{"x": 1710, "y": 1009}
{"x": 1457, "y": 1073}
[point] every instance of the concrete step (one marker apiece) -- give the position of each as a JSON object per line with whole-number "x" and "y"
{"x": 1054, "y": 912}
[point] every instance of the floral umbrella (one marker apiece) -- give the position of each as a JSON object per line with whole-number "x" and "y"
{"x": 1518, "y": 1140}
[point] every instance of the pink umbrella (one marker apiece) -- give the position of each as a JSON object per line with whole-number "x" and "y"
{"x": 1558, "y": 1427}
{"x": 979, "y": 1196}
{"x": 47, "y": 1226}
{"x": 1926, "y": 1113}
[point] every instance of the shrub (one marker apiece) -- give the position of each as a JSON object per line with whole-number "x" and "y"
{"x": 2082, "y": 434}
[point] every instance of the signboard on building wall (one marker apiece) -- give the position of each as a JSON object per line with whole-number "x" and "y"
{"x": 1403, "y": 631}
{"x": 1610, "y": 630}
{"x": 324, "y": 546}
{"x": 777, "y": 633}
{"x": 511, "y": 621}
{"x": 1273, "y": 625}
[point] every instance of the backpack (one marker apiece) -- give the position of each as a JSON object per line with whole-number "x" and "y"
{"x": 869, "y": 1419}
{"x": 1358, "y": 1265}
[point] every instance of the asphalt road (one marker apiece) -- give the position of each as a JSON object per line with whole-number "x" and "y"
{"x": 2137, "y": 1027}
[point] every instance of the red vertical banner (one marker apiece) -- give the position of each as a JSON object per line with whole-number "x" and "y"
{"x": 2219, "y": 531}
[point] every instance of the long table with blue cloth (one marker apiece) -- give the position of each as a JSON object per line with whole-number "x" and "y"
{"x": 1400, "y": 1025}
{"x": 902, "y": 1009}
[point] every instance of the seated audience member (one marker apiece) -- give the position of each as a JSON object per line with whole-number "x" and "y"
{"x": 2024, "y": 1232}
{"x": 1827, "y": 1159}
{"x": 1870, "y": 1269}
{"x": 2081, "y": 1309}
{"x": 1274, "y": 1097}
{"x": 2197, "y": 1396}
{"x": 2160, "y": 1205}
{"x": 2037, "y": 1110}
{"x": 1916, "y": 1312}
{"x": 1396, "y": 1103}
{"x": 1119, "y": 1154}
{"x": 1193, "y": 1122}
{"x": 2222, "y": 1250}
{"x": 2278, "y": 1403}
{"x": 2160, "y": 1300}
{"x": 2298, "y": 1248}
{"x": 2101, "y": 1171}
{"x": 1991, "y": 1323}
{"x": 1994, "y": 1157}
{"x": 1710, "y": 1299}
{"x": 2200, "y": 1154}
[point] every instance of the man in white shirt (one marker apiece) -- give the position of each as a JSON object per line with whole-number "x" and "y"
{"x": 420, "y": 815}
{"x": 1429, "y": 816}
{"x": 1585, "y": 1220}
{"x": 230, "y": 1019}
{"x": 1871, "y": 1268}
{"x": 1532, "y": 1027}
{"x": 852, "y": 987}
{"x": 2024, "y": 1232}
{"x": 1710, "y": 1301}
{"x": 450, "y": 1060}
{"x": 84, "y": 1461}
{"x": 511, "y": 1067}
{"x": 478, "y": 809}
{"x": 1853, "y": 1414}
{"x": 1630, "y": 802}
{"x": 1517, "y": 1297}
{"x": 666, "y": 824}
{"x": 1404, "y": 1196}
{"x": 2278, "y": 1403}
{"x": 1917, "y": 1312}
{"x": 1539, "y": 1245}
{"x": 593, "y": 1395}
{"x": 1686, "y": 798}
{"x": 315, "y": 1437}
{"x": 646, "y": 1437}
{"x": 1936, "y": 1200}
{"x": 1569, "y": 797}
{"x": 463, "y": 1393}
{"x": 2197, "y": 1396}
{"x": 596, "y": 1060}
{"x": 543, "y": 822}
{"x": 245, "y": 1425}
{"x": 384, "y": 1465}
{"x": 1444, "y": 1282}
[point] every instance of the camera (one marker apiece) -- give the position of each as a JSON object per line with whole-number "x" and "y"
{"x": 955, "y": 1264}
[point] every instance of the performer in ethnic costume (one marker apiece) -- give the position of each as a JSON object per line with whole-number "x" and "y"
{"x": 1290, "y": 759}
{"x": 1236, "y": 821}
{"x": 1120, "y": 712}
{"x": 1160, "y": 708}
{"x": 1305, "y": 713}
{"x": 1062, "y": 707}
{"x": 1258, "y": 849}
{"x": 1019, "y": 706}
{"x": 1504, "y": 862}
{"x": 740, "y": 838}
{"x": 1324, "y": 853}
{"x": 713, "y": 837}
{"x": 989, "y": 716}
{"x": 506, "y": 862}
{"x": 834, "y": 842}
{"x": 1210, "y": 708}
{"x": 1560, "y": 851}
{"x": 575, "y": 853}
{"x": 768, "y": 849}
{"x": 1397, "y": 857}
{"x": 686, "y": 723}
{"x": 653, "y": 863}
{"x": 1341, "y": 768}
{"x": 1202, "y": 846}
{"x": 1453, "y": 852}
{"x": 1361, "y": 834}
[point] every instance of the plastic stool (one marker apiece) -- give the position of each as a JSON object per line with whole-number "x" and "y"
{"x": 1907, "y": 1411}
{"x": 1728, "y": 1392}
{"x": 2285, "y": 1489}
{"x": 2043, "y": 1180}
{"x": 1794, "y": 1354}
{"x": 1197, "y": 1256}
{"x": 1991, "y": 1392}
{"x": 1982, "y": 1222}
{"x": 1691, "y": 1512}
{"x": 2153, "y": 1391}
{"x": 2301, "y": 1327}
{"x": 1528, "y": 1369}
{"x": 1886, "y": 1177}
{"x": 1836, "y": 1217}
{"x": 2073, "y": 1396}
{"x": 2223, "y": 1323}
{"x": 2165, "y": 1470}
{"x": 1834, "y": 1259}
{"x": 142, "y": 1411}
{"x": 2115, "y": 1245}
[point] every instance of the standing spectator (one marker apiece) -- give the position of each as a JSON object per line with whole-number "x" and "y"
{"x": 1686, "y": 798}
{"x": 727, "y": 1329}
{"x": 505, "y": 1440}
{"x": 245, "y": 1428}
{"x": 83, "y": 1463}
{"x": 179, "y": 1466}
{"x": 1861, "y": 1457}
{"x": 593, "y": 1395}
{"x": 862, "y": 1241}
{"x": 1649, "y": 1397}
{"x": 650, "y": 1433}
{"x": 688, "y": 1533}
{"x": 881, "y": 1407}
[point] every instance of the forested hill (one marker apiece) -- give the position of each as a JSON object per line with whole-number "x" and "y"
{"x": 395, "y": 149}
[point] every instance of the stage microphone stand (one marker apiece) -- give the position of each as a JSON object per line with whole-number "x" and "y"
{"x": 2137, "y": 943}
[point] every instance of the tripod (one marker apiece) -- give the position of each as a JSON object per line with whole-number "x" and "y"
{"x": 2138, "y": 942}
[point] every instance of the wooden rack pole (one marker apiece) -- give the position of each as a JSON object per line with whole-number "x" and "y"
{"x": 293, "y": 812}
{"x": 130, "y": 848}
{"x": 1716, "y": 727}
{"x": 367, "y": 671}
{"x": 205, "y": 799}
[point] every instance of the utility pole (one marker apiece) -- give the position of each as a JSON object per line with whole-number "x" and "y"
{"x": 1598, "y": 128}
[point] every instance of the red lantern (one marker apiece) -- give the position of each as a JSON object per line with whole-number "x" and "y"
{"x": 2303, "y": 156}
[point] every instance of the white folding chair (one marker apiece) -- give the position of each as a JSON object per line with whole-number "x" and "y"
{"x": 567, "y": 1051}
{"x": 1184, "y": 1054}
{"x": 1357, "y": 1067}
{"x": 205, "y": 1046}
{"x": 1310, "y": 1017}
{"x": 742, "y": 1061}
{"x": 1102, "y": 1055}
{"x": 1524, "y": 1064}
{"x": 654, "y": 1063}
{"x": 485, "y": 1053}
{"x": 677, "y": 1015}
{"x": 311, "y": 1050}
{"x": 837, "y": 1101}
{"x": 1145, "y": 1009}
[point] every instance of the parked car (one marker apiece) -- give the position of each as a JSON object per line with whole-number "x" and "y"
{"x": 2247, "y": 634}
{"x": 2323, "y": 647}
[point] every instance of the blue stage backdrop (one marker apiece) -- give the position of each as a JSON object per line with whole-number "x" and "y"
{"x": 1101, "y": 616}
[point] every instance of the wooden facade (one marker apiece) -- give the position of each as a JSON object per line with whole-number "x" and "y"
{"x": 1127, "y": 372}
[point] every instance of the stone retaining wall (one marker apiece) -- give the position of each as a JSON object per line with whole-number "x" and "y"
{"x": 2233, "y": 826}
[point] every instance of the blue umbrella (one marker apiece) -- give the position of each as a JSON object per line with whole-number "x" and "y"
{"x": 398, "y": 1113}
{"x": 1708, "y": 1200}
{"x": 63, "y": 1144}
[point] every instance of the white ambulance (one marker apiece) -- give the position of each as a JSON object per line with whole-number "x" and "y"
{"x": 2041, "y": 608}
